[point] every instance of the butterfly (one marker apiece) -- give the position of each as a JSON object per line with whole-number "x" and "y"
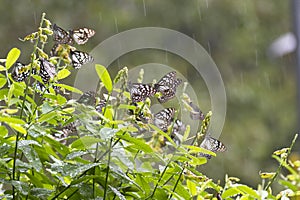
{"x": 61, "y": 36}
{"x": 100, "y": 105}
{"x": 47, "y": 70}
{"x": 80, "y": 58}
{"x": 139, "y": 92}
{"x": 20, "y": 72}
{"x": 87, "y": 98}
{"x": 79, "y": 36}
{"x": 177, "y": 127}
{"x": 65, "y": 131}
{"x": 164, "y": 118}
{"x": 196, "y": 113}
{"x": 213, "y": 145}
{"x": 82, "y": 35}
{"x": 167, "y": 86}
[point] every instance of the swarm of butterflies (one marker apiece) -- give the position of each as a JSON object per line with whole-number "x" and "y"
{"x": 164, "y": 90}
{"x": 62, "y": 49}
{"x": 165, "y": 119}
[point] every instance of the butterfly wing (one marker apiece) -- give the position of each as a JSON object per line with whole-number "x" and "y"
{"x": 139, "y": 92}
{"x": 47, "y": 70}
{"x": 82, "y": 35}
{"x": 167, "y": 86}
{"x": 80, "y": 58}
{"x": 163, "y": 118}
{"x": 61, "y": 36}
{"x": 196, "y": 113}
{"x": 87, "y": 98}
{"x": 100, "y": 105}
{"x": 20, "y": 72}
{"x": 213, "y": 145}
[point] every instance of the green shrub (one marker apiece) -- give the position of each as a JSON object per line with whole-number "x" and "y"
{"x": 102, "y": 155}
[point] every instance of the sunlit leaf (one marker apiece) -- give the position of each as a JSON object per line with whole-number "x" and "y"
{"x": 64, "y": 73}
{"x": 2, "y": 68}
{"x": 267, "y": 174}
{"x": 18, "y": 128}
{"x": 70, "y": 88}
{"x": 12, "y": 120}
{"x": 47, "y": 116}
{"x": 2, "y": 82}
{"x": 12, "y": 57}
{"x": 104, "y": 77}
{"x": 9, "y": 111}
{"x": 139, "y": 144}
{"x": 3, "y": 131}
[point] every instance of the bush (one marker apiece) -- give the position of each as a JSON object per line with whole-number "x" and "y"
{"x": 54, "y": 147}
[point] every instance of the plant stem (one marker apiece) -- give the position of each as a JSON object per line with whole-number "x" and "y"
{"x": 22, "y": 109}
{"x": 174, "y": 188}
{"x": 281, "y": 164}
{"x": 107, "y": 171}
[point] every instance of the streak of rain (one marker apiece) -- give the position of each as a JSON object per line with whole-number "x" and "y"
{"x": 199, "y": 10}
{"x": 267, "y": 79}
{"x": 208, "y": 46}
{"x": 116, "y": 24}
{"x": 256, "y": 57}
{"x": 166, "y": 56}
{"x": 100, "y": 16}
{"x": 144, "y": 5}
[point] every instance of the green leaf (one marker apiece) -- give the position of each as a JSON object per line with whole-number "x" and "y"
{"x": 47, "y": 116}
{"x": 64, "y": 73}
{"x": 230, "y": 192}
{"x": 104, "y": 77}
{"x": 27, "y": 143}
{"x": 239, "y": 189}
{"x": 2, "y": 82}
{"x": 138, "y": 143}
{"x": 3, "y": 93}
{"x": 3, "y": 131}
{"x": 144, "y": 184}
{"x": 18, "y": 128}
{"x": 84, "y": 142}
{"x": 70, "y": 88}
{"x": 117, "y": 193}
{"x": 12, "y": 120}
{"x": 12, "y": 57}
{"x": 2, "y": 68}
{"x": 21, "y": 187}
{"x": 32, "y": 157}
{"x": 246, "y": 189}
{"x": 192, "y": 186}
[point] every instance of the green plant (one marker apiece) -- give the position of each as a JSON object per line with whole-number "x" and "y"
{"x": 104, "y": 156}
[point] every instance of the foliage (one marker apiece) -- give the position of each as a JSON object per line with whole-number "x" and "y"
{"x": 106, "y": 158}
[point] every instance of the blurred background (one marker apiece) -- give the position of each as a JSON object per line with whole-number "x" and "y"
{"x": 261, "y": 89}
